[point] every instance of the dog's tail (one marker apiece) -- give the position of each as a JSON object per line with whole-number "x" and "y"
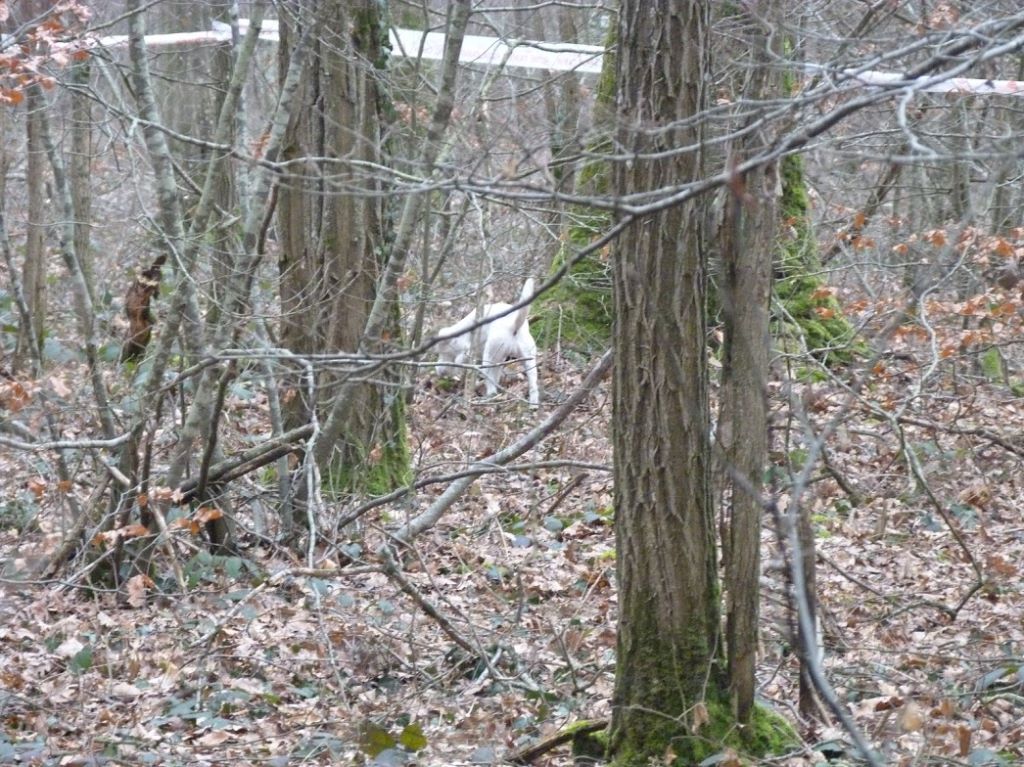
{"x": 524, "y": 312}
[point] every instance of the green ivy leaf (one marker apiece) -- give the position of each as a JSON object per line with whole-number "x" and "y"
{"x": 373, "y": 739}
{"x": 412, "y": 738}
{"x": 82, "y": 661}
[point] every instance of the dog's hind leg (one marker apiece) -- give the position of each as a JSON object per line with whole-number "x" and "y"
{"x": 530, "y": 366}
{"x": 493, "y": 357}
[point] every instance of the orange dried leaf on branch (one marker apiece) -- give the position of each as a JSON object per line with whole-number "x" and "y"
{"x": 1003, "y": 248}
{"x": 184, "y": 523}
{"x": 133, "y": 531}
{"x": 137, "y": 587}
{"x": 53, "y": 24}
{"x": 137, "y": 309}
{"x": 11, "y": 96}
{"x": 206, "y": 514}
{"x": 13, "y": 396}
{"x": 166, "y": 494}
{"x": 37, "y": 486}
{"x": 113, "y": 536}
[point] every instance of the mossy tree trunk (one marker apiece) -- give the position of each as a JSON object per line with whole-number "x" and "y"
{"x": 669, "y": 674}
{"x": 334, "y": 231}
{"x": 577, "y": 313}
{"x": 800, "y": 286}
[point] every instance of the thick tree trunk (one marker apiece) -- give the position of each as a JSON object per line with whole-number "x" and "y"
{"x": 669, "y": 674}
{"x": 334, "y": 230}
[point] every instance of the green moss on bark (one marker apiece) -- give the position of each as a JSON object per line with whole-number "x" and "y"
{"x": 379, "y": 468}
{"x": 810, "y": 313}
{"x": 668, "y": 742}
{"x": 577, "y": 313}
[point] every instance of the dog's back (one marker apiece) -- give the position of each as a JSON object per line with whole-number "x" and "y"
{"x": 494, "y": 342}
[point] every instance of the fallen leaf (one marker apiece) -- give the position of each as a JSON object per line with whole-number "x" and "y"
{"x": 911, "y": 717}
{"x": 125, "y": 691}
{"x": 699, "y": 717}
{"x": 137, "y": 587}
{"x": 206, "y": 514}
{"x": 69, "y": 648}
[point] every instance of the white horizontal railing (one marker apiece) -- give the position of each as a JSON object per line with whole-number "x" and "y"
{"x": 410, "y": 43}
{"x": 485, "y": 51}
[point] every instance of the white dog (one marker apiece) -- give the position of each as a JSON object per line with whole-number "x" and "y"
{"x": 504, "y": 338}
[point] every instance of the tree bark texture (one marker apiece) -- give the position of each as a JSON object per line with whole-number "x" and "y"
{"x": 33, "y": 276}
{"x": 669, "y": 650}
{"x": 748, "y": 245}
{"x": 334, "y": 232}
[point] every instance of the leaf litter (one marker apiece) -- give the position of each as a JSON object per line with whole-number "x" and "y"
{"x": 272, "y": 662}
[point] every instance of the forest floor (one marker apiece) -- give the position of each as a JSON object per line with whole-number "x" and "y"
{"x": 501, "y": 628}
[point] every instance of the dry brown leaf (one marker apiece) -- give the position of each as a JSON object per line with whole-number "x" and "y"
{"x": 58, "y": 387}
{"x": 37, "y": 486}
{"x": 137, "y": 587}
{"x": 997, "y": 563}
{"x": 911, "y": 717}
{"x": 14, "y": 396}
{"x": 699, "y": 717}
{"x": 125, "y": 691}
{"x": 964, "y": 739}
{"x": 206, "y": 514}
{"x": 214, "y": 738}
{"x": 69, "y": 648}
{"x": 133, "y": 531}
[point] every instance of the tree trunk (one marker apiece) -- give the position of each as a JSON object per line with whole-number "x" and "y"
{"x": 669, "y": 676}
{"x": 748, "y": 245}
{"x": 33, "y": 276}
{"x": 334, "y": 230}
{"x": 79, "y": 167}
